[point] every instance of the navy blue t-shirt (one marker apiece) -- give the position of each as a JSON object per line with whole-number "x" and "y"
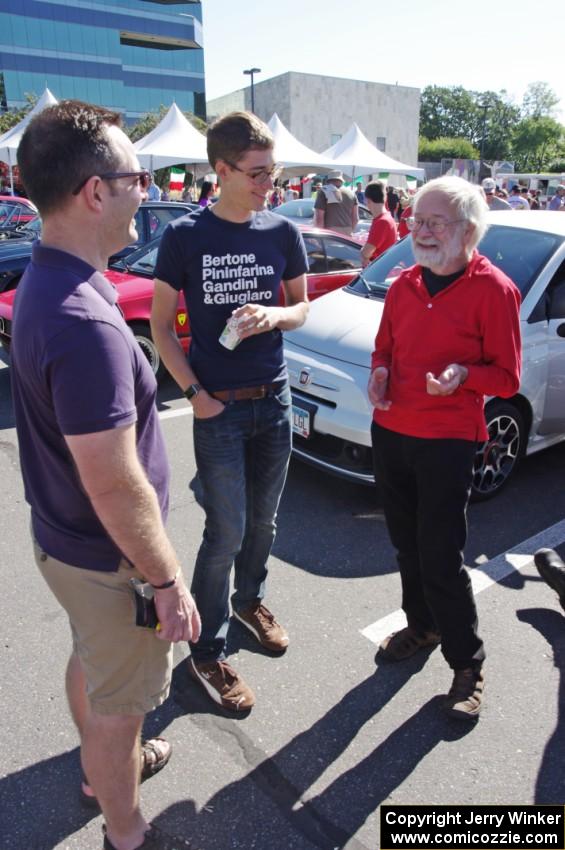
{"x": 76, "y": 369}
{"x": 220, "y": 266}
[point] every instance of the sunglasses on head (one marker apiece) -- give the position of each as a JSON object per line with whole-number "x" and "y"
{"x": 144, "y": 178}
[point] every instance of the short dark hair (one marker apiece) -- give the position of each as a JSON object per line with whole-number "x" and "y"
{"x": 375, "y": 191}
{"x": 63, "y": 145}
{"x": 233, "y": 135}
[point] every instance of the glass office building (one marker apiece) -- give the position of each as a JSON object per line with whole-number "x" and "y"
{"x": 128, "y": 55}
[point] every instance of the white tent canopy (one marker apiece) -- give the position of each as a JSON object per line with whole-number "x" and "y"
{"x": 173, "y": 141}
{"x": 355, "y": 155}
{"x": 291, "y": 153}
{"x": 10, "y": 140}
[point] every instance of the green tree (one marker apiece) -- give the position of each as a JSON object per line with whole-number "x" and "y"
{"x": 540, "y": 101}
{"x": 480, "y": 117}
{"x": 499, "y": 120}
{"x": 11, "y": 118}
{"x": 434, "y": 150}
{"x": 537, "y": 142}
{"x": 446, "y": 112}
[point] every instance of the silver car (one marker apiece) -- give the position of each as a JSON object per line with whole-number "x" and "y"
{"x": 329, "y": 357}
{"x": 301, "y": 211}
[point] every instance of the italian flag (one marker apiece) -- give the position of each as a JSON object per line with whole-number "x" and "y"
{"x": 176, "y": 183}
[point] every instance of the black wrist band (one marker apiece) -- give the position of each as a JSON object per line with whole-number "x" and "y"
{"x": 166, "y": 584}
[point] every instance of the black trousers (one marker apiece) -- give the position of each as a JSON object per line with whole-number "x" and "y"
{"x": 425, "y": 487}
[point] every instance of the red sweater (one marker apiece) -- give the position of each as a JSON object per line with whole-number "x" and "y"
{"x": 474, "y": 322}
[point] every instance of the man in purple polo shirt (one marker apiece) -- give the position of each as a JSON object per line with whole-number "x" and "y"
{"x": 93, "y": 457}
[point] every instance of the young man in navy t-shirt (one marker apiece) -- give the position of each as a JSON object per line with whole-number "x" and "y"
{"x": 230, "y": 261}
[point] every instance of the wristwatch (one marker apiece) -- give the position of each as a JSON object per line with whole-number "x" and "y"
{"x": 192, "y": 391}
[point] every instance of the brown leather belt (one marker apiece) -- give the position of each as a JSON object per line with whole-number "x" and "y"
{"x": 245, "y": 393}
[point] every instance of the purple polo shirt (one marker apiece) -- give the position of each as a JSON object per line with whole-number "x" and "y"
{"x": 76, "y": 369}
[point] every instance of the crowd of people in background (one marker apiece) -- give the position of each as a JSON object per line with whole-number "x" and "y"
{"x": 398, "y": 200}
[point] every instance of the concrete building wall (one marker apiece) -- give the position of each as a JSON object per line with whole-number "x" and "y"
{"x": 233, "y": 102}
{"x": 317, "y": 109}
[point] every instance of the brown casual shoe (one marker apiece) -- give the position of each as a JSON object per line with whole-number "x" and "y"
{"x": 222, "y": 684}
{"x": 155, "y": 839}
{"x": 404, "y": 644}
{"x": 261, "y": 623}
{"x": 465, "y": 698}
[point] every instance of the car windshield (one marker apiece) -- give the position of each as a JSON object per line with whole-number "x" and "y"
{"x": 296, "y": 209}
{"x": 7, "y": 213}
{"x": 143, "y": 262}
{"x": 519, "y": 252}
{"x": 31, "y": 228}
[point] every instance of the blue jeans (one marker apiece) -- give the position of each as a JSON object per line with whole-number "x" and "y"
{"x": 242, "y": 458}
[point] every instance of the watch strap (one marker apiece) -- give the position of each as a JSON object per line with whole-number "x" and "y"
{"x": 192, "y": 391}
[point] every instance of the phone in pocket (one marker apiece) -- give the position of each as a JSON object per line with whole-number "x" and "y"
{"x": 145, "y": 610}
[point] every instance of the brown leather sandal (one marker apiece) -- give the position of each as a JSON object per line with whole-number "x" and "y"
{"x": 152, "y": 761}
{"x": 404, "y": 644}
{"x": 155, "y": 839}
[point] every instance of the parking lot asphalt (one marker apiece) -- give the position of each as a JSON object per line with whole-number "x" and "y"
{"x": 334, "y": 734}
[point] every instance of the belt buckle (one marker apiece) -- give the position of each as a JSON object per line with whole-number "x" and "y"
{"x": 259, "y": 392}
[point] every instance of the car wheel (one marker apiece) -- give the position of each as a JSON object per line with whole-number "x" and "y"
{"x": 497, "y": 457}
{"x": 142, "y": 333}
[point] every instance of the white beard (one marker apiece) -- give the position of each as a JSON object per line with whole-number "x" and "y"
{"x": 440, "y": 255}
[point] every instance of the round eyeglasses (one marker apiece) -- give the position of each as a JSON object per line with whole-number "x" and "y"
{"x": 435, "y": 225}
{"x": 261, "y": 176}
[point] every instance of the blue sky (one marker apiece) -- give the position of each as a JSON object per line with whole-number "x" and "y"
{"x": 493, "y": 44}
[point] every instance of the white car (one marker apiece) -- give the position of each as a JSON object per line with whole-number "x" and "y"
{"x": 329, "y": 357}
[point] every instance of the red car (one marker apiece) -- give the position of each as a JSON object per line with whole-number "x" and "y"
{"x": 15, "y": 211}
{"x": 334, "y": 260}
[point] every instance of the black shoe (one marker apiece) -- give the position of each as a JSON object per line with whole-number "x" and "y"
{"x": 552, "y": 570}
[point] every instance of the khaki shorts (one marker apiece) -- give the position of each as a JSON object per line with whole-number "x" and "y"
{"x": 127, "y": 668}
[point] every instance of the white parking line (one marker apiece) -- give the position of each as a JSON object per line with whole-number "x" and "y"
{"x": 176, "y": 411}
{"x": 482, "y": 576}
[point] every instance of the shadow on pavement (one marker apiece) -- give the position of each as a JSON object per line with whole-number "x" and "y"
{"x": 307, "y": 540}
{"x": 329, "y": 819}
{"x": 36, "y": 817}
{"x": 550, "y": 783}
{"x": 40, "y": 805}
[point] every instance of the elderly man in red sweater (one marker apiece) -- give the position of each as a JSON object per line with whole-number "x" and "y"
{"x": 449, "y": 336}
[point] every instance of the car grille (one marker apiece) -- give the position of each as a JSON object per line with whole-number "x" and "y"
{"x": 347, "y": 459}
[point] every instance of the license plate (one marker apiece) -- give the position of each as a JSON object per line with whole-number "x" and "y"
{"x": 300, "y": 421}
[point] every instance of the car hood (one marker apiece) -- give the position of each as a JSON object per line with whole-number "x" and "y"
{"x": 342, "y": 326}
{"x": 14, "y": 248}
{"x": 7, "y": 302}
{"x": 128, "y": 284}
